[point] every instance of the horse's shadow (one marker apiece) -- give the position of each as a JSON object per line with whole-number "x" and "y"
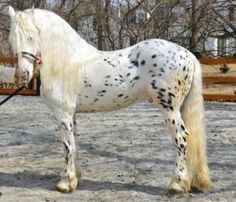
{"x": 116, "y": 186}
{"x": 30, "y": 180}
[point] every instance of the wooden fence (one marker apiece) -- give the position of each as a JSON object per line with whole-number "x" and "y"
{"x": 206, "y": 79}
{"x": 219, "y": 79}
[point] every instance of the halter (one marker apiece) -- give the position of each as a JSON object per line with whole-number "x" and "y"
{"x": 37, "y": 59}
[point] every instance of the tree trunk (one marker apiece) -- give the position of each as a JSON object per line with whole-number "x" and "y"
{"x": 194, "y": 28}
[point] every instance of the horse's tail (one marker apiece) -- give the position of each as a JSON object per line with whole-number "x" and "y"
{"x": 192, "y": 112}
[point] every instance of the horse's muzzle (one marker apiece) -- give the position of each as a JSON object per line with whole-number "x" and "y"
{"x": 23, "y": 76}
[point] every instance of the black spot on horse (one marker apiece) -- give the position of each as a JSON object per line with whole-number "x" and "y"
{"x": 154, "y": 65}
{"x": 150, "y": 71}
{"x": 163, "y": 101}
{"x": 153, "y": 56}
{"x": 162, "y": 90}
{"x": 136, "y": 78}
{"x": 154, "y": 84}
{"x": 171, "y": 94}
{"x": 135, "y": 63}
{"x": 169, "y": 101}
{"x": 138, "y": 54}
{"x": 176, "y": 141}
{"x": 162, "y": 70}
{"x": 64, "y": 126}
{"x": 66, "y": 147}
{"x": 163, "y": 105}
{"x": 143, "y": 62}
{"x": 120, "y": 95}
{"x": 160, "y": 94}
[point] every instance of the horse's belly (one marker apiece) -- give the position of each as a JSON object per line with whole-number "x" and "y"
{"x": 104, "y": 101}
{"x": 101, "y": 107}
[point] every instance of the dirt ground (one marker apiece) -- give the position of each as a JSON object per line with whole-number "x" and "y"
{"x": 125, "y": 155}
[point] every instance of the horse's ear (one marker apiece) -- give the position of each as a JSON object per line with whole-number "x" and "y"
{"x": 10, "y": 11}
{"x": 32, "y": 10}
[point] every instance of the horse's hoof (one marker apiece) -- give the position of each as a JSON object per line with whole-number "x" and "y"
{"x": 179, "y": 188}
{"x": 67, "y": 185}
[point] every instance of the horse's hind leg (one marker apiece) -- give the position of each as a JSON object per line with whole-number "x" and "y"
{"x": 180, "y": 183}
{"x": 69, "y": 181}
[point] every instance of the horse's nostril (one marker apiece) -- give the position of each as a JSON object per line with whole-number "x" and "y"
{"x": 27, "y": 73}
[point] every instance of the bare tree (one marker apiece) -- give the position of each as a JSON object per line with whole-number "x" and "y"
{"x": 113, "y": 24}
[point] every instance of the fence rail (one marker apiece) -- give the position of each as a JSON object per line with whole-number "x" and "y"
{"x": 9, "y": 60}
{"x": 217, "y": 61}
{"x": 219, "y": 79}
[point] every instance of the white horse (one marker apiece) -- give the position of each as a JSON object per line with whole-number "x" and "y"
{"x": 76, "y": 77}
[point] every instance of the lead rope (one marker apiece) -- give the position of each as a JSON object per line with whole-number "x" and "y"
{"x": 11, "y": 95}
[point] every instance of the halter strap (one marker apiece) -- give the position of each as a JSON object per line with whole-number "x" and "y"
{"x": 29, "y": 54}
{"x": 37, "y": 60}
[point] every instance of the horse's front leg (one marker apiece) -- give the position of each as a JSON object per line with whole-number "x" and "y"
{"x": 71, "y": 177}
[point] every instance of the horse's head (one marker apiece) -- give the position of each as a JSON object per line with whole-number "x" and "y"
{"x": 25, "y": 43}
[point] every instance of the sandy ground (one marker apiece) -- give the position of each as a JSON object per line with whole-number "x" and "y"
{"x": 125, "y": 155}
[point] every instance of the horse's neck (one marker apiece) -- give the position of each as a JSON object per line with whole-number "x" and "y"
{"x": 58, "y": 27}
{"x": 84, "y": 48}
